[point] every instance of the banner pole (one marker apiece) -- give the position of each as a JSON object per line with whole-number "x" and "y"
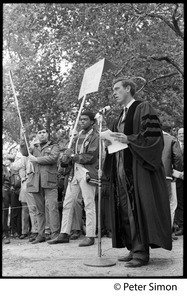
{"x": 16, "y": 101}
{"x": 76, "y": 122}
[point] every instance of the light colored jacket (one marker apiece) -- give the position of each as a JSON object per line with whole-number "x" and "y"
{"x": 45, "y": 169}
{"x": 22, "y": 164}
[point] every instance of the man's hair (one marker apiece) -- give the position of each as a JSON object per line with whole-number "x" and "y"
{"x": 41, "y": 127}
{"x": 125, "y": 83}
{"x": 89, "y": 114}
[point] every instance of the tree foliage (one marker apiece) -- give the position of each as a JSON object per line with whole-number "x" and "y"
{"x": 143, "y": 40}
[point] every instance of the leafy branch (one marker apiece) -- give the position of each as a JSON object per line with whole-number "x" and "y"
{"x": 170, "y": 61}
{"x": 146, "y": 82}
{"x": 173, "y": 24}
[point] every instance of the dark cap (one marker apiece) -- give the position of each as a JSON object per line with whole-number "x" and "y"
{"x": 41, "y": 127}
{"x": 88, "y": 113}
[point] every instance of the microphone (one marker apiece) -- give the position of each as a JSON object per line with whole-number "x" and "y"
{"x": 104, "y": 109}
{"x": 102, "y": 112}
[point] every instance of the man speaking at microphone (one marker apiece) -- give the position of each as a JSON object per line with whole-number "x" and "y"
{"x": 83, "y": 178}
{"x": 139, "y": 198}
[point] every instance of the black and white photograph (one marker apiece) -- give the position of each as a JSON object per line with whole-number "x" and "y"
{"x": 93, "y": 145}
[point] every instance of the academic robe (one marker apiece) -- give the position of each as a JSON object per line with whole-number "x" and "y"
{"x": 150, "y": 199}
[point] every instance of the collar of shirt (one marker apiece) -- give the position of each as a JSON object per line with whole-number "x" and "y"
{"x": 166, "y": 133}
{"x": 129, "y": 104}
{"x": 43, "y": 145}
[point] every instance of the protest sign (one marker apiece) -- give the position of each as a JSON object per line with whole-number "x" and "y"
{"x": 92, "y": 76}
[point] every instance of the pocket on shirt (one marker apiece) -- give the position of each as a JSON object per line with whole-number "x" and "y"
{"x": 30, "y": 180}
{"x": 47, "y": 152}
{"x": 51, "y": 177}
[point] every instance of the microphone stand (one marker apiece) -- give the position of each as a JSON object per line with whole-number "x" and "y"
{"x": 99, "y": 261}
{"x": 99, "y": 120}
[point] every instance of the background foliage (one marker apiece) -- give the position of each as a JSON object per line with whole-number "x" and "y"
{"x": 142, "y": 40}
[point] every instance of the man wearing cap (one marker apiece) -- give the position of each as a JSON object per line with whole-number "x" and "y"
{"x": 139, "y": 199}
{"x": 42, "y": 181}
{"x": 83, "y": 178}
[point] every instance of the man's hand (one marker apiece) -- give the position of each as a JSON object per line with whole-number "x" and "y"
{"x": 65, "y": 159}
{"x": 32, "y": 158}
{"x": 107, "y": 143}
{"x": 68, "y": 152}
{"x": 120, "y": 137}
{"x": 22, "y": 132}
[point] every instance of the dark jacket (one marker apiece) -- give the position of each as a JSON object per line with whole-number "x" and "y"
{"x": 5, "y": 180}
{"x": 45, "y": 170}
{"x": 89, "y": 157}
{"x": 171, "y": 155}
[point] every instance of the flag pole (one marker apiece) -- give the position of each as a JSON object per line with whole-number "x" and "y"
{"x": 16, "y": 101}
{"x": 76, "y": 122}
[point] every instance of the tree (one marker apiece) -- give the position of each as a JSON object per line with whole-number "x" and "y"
{"x": 143, "y": 40}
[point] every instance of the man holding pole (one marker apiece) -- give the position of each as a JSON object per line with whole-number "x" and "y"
{"x": 42, "y": 182}
{"x": 83, "y": 178}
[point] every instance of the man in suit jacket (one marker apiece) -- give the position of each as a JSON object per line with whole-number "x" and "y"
{"x": 172, "y": 160}
{"x": 179, "y": 187}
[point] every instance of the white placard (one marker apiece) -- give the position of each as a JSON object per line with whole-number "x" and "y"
{"x": 91, "y": 78}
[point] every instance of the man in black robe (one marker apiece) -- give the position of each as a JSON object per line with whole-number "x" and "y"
{"x": 139, "y": 198}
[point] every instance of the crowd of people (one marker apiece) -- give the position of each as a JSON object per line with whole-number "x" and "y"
{"x": 51, "y": 191}
{"x": 39, "y": 195}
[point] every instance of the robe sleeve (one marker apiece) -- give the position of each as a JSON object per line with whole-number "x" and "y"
{"x": 146, "y": 144}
